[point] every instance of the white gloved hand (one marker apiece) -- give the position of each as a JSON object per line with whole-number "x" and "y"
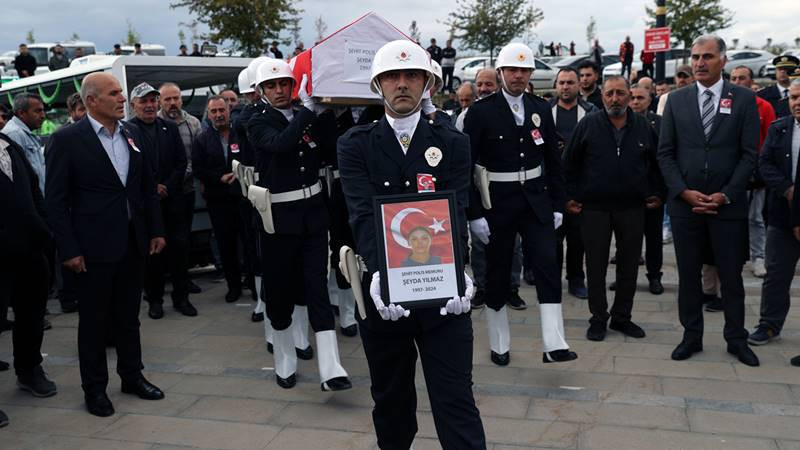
{"x": 558, "y": 219}
{"x": 392, "y": 312}
{"x": 427, "y": 106}
{"x": 480, "y": 228}
{"x": 460, "y": 305}
{"x": 306, "y": 99}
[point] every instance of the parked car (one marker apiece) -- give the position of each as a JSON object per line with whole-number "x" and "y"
{"x": 756, "y": 60}
{"x": 674, "y": 58}
{"x": 769, "y": 69}
{"x": 148, "y": 49}
{"x": 574, "y": 61}
{"x": 466, "y": 68}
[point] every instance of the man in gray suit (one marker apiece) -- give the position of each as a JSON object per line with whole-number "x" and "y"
{"x": 707, "y": 153}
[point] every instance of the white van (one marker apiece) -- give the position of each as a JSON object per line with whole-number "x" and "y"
{"x": 42, "y": 51}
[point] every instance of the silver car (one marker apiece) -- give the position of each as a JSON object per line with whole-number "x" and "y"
{"x": 756, "y": 60}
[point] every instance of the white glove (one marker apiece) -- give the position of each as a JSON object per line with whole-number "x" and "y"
{"x": 558, "y": 219}
{"x": 392, "y": 312}
{"x": 480, "y": 228}
{"x": 461, "y": 305}
{"x": 306, "y": 99}
{"x": 427, "y": 106}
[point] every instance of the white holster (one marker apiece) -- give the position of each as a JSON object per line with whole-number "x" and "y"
{"x": 245, "y": 175}
{"x": 481, "y": 178}
{"x": 352, "y": 270}
{"x": 262, "y": 200}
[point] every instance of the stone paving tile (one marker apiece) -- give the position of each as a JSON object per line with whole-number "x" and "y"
{"x": 727, "y": 390}
{"x": 304, "y": 439}
{"x": 60, "y": 421}
{"x": 76, "y": 443}
{"x": 776, "y": 427}
{"x": 789, "y": 445}
{"x": 688, "y": 368}
{"x": 191, "y": 432}
{"x": 234, "y": 409}
{"x": 615, "y": 438}
{"x": 331, "y": 417}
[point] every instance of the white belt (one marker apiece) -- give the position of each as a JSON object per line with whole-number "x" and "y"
{"x": 299, "y": 194}
{"x": 521, "y": 175}
{"x": 324, "y": 171}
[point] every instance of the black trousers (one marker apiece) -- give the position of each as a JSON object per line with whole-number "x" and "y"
{"x": 248, "y": 240}
{"x": 25, "y": 284}
{"x": 729, "y": 244}
{"x": 174, "y": 257}
{"x": 110, "y": 296}
{"x": 444, "y": 346}
{"x": 226, "y": 220}
{"x": 570, "y": 231}
{"x": 538, "y": 242}
{"x": 447, "y": 78}
{"x": 783, "y": 252}
{"x": 627, "y": 226}
{"x": 296, "y": 273}
{"x": 653, "y": 239}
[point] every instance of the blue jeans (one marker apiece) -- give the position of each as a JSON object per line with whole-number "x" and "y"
{"x": 477, "y": 258}
{"x": 758, "y": 232}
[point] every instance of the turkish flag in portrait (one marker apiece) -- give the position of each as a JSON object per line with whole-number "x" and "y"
{"x": 431, "y": 216}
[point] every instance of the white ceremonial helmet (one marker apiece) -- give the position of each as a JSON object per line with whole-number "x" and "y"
{"x": 244, "y": 83}
{"x": 515, "y": 54}
{"x": 401, "y": 54}
{"x": 273, "y": 69}
{"x": 438, "y": 82}
{"x": 252, "y": 67}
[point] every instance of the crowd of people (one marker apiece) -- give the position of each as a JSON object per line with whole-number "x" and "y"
{"x": 541, "y": 187}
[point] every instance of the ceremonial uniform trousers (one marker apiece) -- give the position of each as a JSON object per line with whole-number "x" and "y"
{"x": 372, "y": 162}
{"x": 524, "y": 206}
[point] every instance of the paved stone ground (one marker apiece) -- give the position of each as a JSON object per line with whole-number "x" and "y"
{"x": 620, "y": 394}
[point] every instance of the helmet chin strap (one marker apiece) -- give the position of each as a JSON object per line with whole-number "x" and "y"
{"x": 503, "y": 82}
{"x": 413, "y": 110}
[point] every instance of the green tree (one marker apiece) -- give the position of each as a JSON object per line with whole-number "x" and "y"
{"x": 321, "y": 28}
{"x": 413, "y": 31}
{"x": 689, "y": 19}
{"x": 29, "y": 38}
{"x": 487, "y": 25}
{"x": 249, "y": 25}
{"x": 74, "y": 37}
{"x": 181, "y": 37}
{"x": 591, "y": 31}
{"x": 131, "y": 36}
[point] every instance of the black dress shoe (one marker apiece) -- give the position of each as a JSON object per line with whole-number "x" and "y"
{"x": 655, "y": 286}
{"x": 69, "y": 306}
{"x": 686, "y": 349}
{"x": 143, "y": 389}
{"x": 155, "y": 311}
{"x": 185, "y": 308}
{"x": 257, "y": 317}
{"x": 37, "y": 383}
{"x": 99, "y": 405}
{"x": 596, "y": 331}
{"x": 501, "y": 360}
{"x": 795, "y": 361}
{"x": 336, "y": 384}
{"x": 515, "y": 301}
{"x": 713, "y": 303}
{"x": 286, "y": 383}
{"x": 3, "y": 419}
{"x": 744, "y": 353}
{"x": 233, "y": 294}
{"x": 350, "y": 331}
{"x": 559, "y": 356}
{"x": 527, "y": 275}
{"x": 194, "y": 288}
{"x": 4, "y": 366}
{"x": 305, "y": 354}
{"x": 627, "y": 328}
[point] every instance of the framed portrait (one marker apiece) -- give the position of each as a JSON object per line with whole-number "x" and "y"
{"x": 419, "y": 254}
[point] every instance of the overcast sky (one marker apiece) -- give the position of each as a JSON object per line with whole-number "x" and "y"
{"x": 104, "y": 22}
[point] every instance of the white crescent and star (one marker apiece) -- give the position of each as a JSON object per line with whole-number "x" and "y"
{"x": 397, "y": 223}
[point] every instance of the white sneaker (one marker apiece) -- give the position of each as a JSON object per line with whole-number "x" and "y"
{"x": 759, "y": 270}
{"x": 666, "y": 236}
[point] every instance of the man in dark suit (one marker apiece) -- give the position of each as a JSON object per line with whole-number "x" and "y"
{"x": 777, "y": 165}
{"x": 707, "y": 153}
{"x": 25, "y": 240}
{"x": 168, "y": 159}
{"x": 102, "y": 206}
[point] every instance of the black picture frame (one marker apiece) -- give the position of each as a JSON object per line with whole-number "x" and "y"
{"x": 458, "y": 260}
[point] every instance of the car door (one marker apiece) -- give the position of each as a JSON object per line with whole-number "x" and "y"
{"x": 544, "y": 76}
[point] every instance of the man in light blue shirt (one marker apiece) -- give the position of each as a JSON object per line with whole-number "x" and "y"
{"x": 28, "y": 116}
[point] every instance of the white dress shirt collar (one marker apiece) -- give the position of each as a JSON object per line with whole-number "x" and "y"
{"x": 404, "y": 125}
{"x": 715, "y": 89}
{"x": 519, "y": 113}
{"x": 98, "y": 127}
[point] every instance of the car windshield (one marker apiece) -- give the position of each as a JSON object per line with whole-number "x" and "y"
{"x": 40, "y": 54}
{"x": 477, "y": 62}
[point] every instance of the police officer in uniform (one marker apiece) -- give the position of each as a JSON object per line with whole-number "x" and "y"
{"x": 386, "y": 157}
{"x": 288, "y": 142}
{"x": 519, "y": 184}
{"x": 777, "y": 94}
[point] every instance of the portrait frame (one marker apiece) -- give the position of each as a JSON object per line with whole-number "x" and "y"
{"x": 442, "y": 277}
